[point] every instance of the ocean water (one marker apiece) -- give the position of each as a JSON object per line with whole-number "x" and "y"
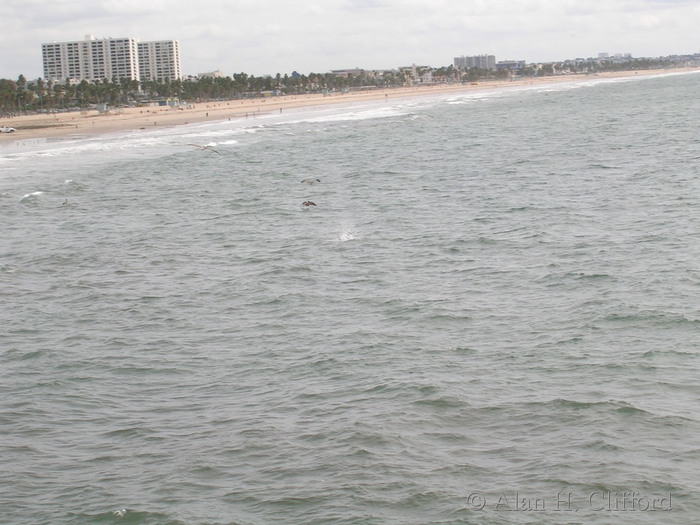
{"x": 491, "y": 315}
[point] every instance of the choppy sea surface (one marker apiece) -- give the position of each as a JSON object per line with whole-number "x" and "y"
{"x": 491, "y": 315}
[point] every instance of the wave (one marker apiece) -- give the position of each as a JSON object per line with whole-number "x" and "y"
{"x": 165, "y": 141}
{"x": 31, "y": 198}
{"x": 347, "y": 232}
{"x": 353, "y": 113}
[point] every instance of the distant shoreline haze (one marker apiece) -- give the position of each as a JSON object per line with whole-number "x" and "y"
{"x": 22, "y": 96}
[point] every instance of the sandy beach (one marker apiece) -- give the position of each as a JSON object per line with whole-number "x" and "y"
{"x": 134, "y": 118}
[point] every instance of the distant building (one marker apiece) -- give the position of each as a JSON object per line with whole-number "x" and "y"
{"x": 477, "y": 61}
{"x": 347, "y": 73}
{"x": 357, "y": 72}
{"x": 417, "y": 74}
{"x": 91, "y": 59}
{"x": 160, "y": 60}
{"x": 96, "y": 59}
{"x": 512, "y": 65}
{"x": 211, "y": 74}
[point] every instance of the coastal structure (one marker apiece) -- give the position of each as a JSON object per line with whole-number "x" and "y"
{"x": 347, "y": 73}
{"x": 211, "y": 74}
{"x": 512, "y": 65}
{"x": 96, "y": 59}
{"x": 417, "y": 74}
{"x": 477, "y": 61}
{"x": 160, "y": 60}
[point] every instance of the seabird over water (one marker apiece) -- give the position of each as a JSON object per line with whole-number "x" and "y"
{"x": 311, "y": 181}
{"x": 308, "y": 203}
{"x": 209, "y": 148}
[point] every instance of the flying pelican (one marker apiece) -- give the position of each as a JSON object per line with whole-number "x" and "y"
{"x": 311, "y": 181}
{"x": 308, "y": 203}
{"x": 203, "y": 148}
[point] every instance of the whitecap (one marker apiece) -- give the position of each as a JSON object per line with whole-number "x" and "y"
{"x": 358, "y": 114}
{"x": 346, "y": 236}
{"x": 31, "y": 198}
{"x": 347, "y": 233}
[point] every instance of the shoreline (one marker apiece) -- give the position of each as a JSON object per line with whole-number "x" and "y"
{"x": 91, "y": 122}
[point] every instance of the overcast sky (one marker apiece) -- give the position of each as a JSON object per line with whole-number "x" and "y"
{"x": 262, "y": 37}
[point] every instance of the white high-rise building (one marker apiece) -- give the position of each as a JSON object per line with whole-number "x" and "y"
{"x": 111, "y": 58}
{"x": 478, "y": 61}
{"x": 160, "y": 60}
